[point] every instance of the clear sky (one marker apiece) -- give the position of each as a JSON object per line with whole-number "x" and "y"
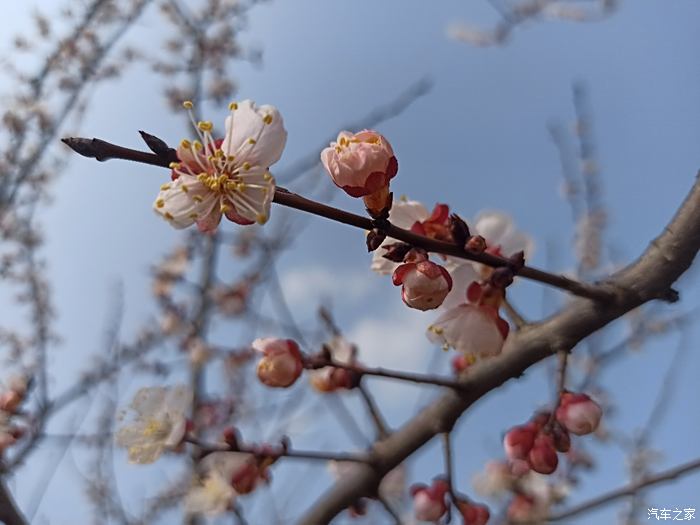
{"x": 477, "y": 141}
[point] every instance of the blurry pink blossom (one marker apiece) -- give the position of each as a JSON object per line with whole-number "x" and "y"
{"x": 281, "y": 364}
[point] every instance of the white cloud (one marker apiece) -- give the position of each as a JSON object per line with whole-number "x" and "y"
{"x": 312, "y": 284}
{"x": 395, "y": 342}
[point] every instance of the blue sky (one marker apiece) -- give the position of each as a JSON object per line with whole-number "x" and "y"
{"x": 477, "y": 141}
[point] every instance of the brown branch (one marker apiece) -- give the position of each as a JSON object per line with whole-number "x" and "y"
{"x": 426, "y": 379}
{"x": 375, "y": 414}
{"x": 628, "y": 490}
{"x": 9, "y": 513}
{"x": 102, "y": 150}
{"x": 648, "y": 278}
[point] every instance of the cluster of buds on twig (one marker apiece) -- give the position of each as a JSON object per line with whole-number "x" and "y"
{"x": 537, "y": 442}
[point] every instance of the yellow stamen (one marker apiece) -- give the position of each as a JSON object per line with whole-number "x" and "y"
{"x": 233, "y": 106}
{"x": 160, "y": 203}
{"x": 246, "y": 166}
{"x": 197, "y": 198}
{"x": 261, "y": 218}
{"x": 251, "y": 140}
{"x": 267, "y": 176}
{"x": 205, "y": 125}
{"x": 185, "y": 189}
{"x": 187, "y": 104}
{"x": 267, "y": 119}
{"x": 186, "y": 144}
{"x": 168, "y": 216}
{"x": 164, "y": 187}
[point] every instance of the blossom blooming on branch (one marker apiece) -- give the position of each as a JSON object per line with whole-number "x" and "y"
{"x": 424, "y": 285}
{"x": 228, "y": 176}
{"x": 226, "y": 475}
{"x": 475, "y": 329}
{"x": 281, "y": 364}
{"x": 362, "y": 164}
{"x": 429, "y": 502}
{"x": 159, "y": 425}
{"x": 578, "y": 413}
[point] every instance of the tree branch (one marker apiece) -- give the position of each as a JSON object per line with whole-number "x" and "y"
{"x": 648, "y": 278}
{"x": 102, "y": 151}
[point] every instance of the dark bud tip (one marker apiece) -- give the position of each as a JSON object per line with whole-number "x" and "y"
{"x": 501, "y": 277}
{"x": 397, "y": 251}
{"x": 459, "y": 230}
{"x": 374, "y": 239}
{"x": 156, "y": 145}
{"x": 81, "y": 146}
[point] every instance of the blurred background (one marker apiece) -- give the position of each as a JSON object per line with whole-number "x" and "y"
{"x": 581, "y": 120}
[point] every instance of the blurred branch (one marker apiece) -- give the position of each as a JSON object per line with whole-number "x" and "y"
{"x": 628, "y": 490}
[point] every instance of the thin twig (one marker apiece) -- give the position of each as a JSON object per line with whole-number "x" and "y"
{"x": 627, "y": 490}
{"x": 373, "y": 409}
{"x": 425, "y": 379}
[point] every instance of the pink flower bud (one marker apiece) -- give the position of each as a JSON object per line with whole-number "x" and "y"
{"x": 10, "y": 400}
{"x": 429, "y": 502}
{"x": 473, "y": 513}
{"x": 360, "y": 163}
{"x": 518, "y": 442}
{"x": 543, "y": 456}
{"x": 578, "y": 413}
{"x": 425, "y": 284}
{"x": 281, "y": 364}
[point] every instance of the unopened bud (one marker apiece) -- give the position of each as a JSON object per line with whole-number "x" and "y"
{"x": 375, "y": 238}
{"x": 459, "y": 229}
{"x": 475, "y": 243}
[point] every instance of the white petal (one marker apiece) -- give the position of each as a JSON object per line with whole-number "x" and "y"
{"x": 404, "y": 213}
{"x": 492, "y": 226}
{"x": 515, "y": 241}
{"x": 254, "y": 200}
{"x": 149, "y": 400}
{"x": 225, "y": 464}
{"x": 263, "y": 125}
{"x": 462, "y": 276}
{"x": 184, "y": 201}
{"x": 213, "y": 497}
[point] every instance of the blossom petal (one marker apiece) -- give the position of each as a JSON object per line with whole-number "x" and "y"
{"x": 254, "y": 134}
{"x": 184, "y": 201}
{"x": 253, "y": 199}
{"x": 462, "y": 276}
